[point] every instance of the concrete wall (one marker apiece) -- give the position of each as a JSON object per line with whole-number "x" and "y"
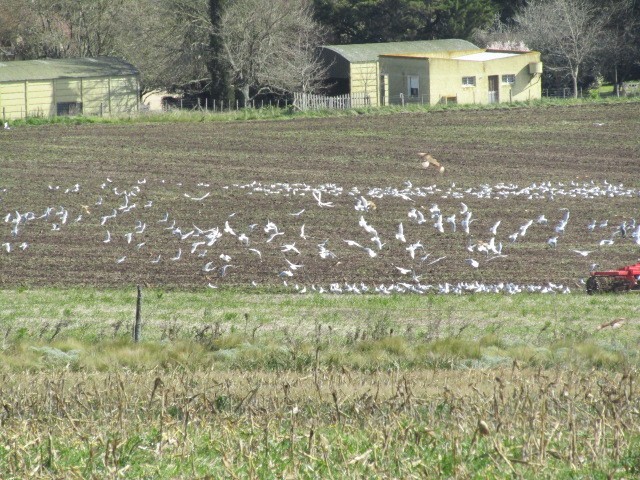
{"x": 102, "y": 95}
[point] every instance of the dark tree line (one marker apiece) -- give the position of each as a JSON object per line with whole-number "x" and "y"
{"x": 243, "y": 48}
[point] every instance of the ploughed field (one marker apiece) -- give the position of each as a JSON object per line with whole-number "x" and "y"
{"x": 271, "y": 203}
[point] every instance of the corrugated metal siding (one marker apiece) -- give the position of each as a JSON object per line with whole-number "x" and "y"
{"x": 124, "y": 95}
{"x": 12, "y": 99}
{"x": 364, "y": 79}
{"x": 40, "y": 100}
{"x": 95, "y": 96}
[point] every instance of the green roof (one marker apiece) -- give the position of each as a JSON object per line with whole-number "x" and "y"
{"x": 48, "y": 69}
{"x": 367, "y": 52}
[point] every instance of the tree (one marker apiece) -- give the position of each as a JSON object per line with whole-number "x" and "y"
{"x": 270, "y": 46}
{"x": 370, "y": 21}
{"x": 569, "y": 33}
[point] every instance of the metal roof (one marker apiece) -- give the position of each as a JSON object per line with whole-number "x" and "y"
{"x": 484, "y": 56}
{"x": 364, "y": 52}
{"x": 48, "y": 69}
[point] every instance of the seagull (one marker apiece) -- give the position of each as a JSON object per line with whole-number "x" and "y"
{"x": 292, "y": 265}
{"x": 553, "y": 242}
{"x": 208, "y": 267}
{"x": 317, "y": 194}
{"x": 290, "y": 248}
{"x": 108, "y": 237}
{"x": 494, "y": 229}
{"x": 257, "y": 252}
{"x": 228, "y": 229}
{"x": 156, "y": 260}
{"x": 244, "y": 239}
{"x": 352, "y": 243}
{"x": 274, "y": 235}
{"x": 400, "y": 233}
{"x": 412, "y": 249}
{"x": 225, "y": 258}
{"x": 606, "y": 242}
{"x": 472, "y": 262}
{"x": 129, "y": 236}
{"x": 197, "y": 199}
{"x": 178, "y": 255}
{"x": 7, "y": 247}
{"x": 223, "y": 269}
{"x": 542, "y": 220}
{"x": 121, "y": 259}
{"x": 582, "y": 253}
{"x": 523, "y": 228}
{"x": 302, "y": 235}
{"x": 403, "y": 271}
{"x": 297, "y": 214}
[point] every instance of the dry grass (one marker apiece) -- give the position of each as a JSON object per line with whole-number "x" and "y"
{"x": 330, "y": 423}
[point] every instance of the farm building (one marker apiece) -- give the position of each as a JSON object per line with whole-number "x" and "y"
{"x": 87, "y": 86}
{"x": 432, "y": 72}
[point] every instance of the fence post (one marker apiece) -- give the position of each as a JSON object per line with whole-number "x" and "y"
{"x": 101, "y": 109}
{"x": 4, "y": 116}
{"x": 402, "y": 99}
{"x": 136, "y": 327}
{"x": 180, "y": 104}
{"x": 206, "y": 104}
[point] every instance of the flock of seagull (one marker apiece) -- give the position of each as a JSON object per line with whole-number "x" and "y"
{"x": 115, "y": 206}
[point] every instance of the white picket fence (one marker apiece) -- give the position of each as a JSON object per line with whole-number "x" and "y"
{"x": 308, "y": 101}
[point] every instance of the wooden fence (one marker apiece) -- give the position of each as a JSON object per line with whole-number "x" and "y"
{"x": 308, "y": 101}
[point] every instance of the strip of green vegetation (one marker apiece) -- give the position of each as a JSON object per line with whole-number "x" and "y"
{"x": 273, "y": 113}
{"x": 88, "y": 329}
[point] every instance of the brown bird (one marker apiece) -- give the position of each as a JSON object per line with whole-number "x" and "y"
{"x": 429, "y": 160}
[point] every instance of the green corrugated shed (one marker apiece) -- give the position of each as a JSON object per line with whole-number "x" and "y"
{"x": 50, "y": 69}
{"x": 73, "y": 86}
{"x": 368, "y": 52}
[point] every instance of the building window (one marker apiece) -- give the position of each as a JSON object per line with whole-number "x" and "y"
{"x": 510, "y": 79}
{"x": 468, "y": 81}
{"x": 412, "y": 86}
{"x": 69, "y": 108}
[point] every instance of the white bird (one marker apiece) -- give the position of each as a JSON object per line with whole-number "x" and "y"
{"x": 523, "y": 228}
{"x": 582, "y": 253}
{"x": 274, "y": 235}
{"x": 412, "y": 249}
{"x": 400, "y": 233}
{"x": 352, "y": 243}
{"x": 291, "y": 247}
{"x": 228, "y": 229}
{"x": 542, "y": 220}
{"x": 438, "y": 225}
{"x": 224, "y": 268}
{"x": 464, "y": 208}
{"x": 157, "y": 259}
{"x": 128, "y": 236}
{"x": 7, "y": 247}
{"x": 494, "y": 229}
{"x": 23, "y": 246}
{"x": 403, "y": 271}
{"x": 121, "y": 259}
{"x": 108, "y": 237}
{"x": 208, "y": 267}
{"x": 472, "y": 262}
{"x": 297, "y": 214}
{"x": 178, "y": 255}
{"x": 257, "y": 252}
{"x": 591, "y": 226}
{"x": 370, "y": 252}
{"x": 302, "y": 234}
{"x": 292, "y": 265}
{"x": 513, "y": 237}
{"x": 197, "y": 199}
{"x": 606, "y": 242}
{"x": 6, "y": 126}
{"x": 317, "y": 194}
{"x": 553, "y": 242}
{"x": 225, "y": 258}
{"x": 243, "y": 239}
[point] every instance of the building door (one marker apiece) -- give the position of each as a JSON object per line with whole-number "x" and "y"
{"x": 494, "y": 85}
{"x": 384, "y": 89}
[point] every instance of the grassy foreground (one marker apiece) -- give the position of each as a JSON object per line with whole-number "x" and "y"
{"x": 237, "y": 385}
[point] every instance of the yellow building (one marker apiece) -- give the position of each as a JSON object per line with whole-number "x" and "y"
{"x": 431, "y": 72}
{"x": 76, "y": 86}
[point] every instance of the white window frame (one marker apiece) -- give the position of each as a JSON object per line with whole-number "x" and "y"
{"x": 509, "y": 79}
{"x": 469, "y": 81}
{"x": 411, "y": 85}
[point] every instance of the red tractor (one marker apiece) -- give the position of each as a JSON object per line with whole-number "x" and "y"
{"x": 622, "y": 280}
